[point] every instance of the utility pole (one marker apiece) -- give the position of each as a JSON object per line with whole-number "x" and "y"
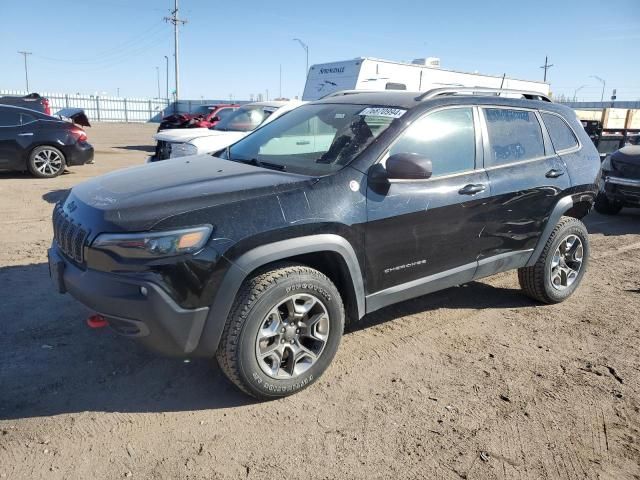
{"x": 175, "y": 20}
{"x": 26, "y": 68}
{"x": 546, "y": 67}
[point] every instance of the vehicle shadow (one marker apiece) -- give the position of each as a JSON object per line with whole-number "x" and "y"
{"x": 138, "y": 148}
{"x": 473, "y": 295}
{"x": 54, "y": 196}
{"x": 627, "y": 222}
{"x": 52, "y": 363}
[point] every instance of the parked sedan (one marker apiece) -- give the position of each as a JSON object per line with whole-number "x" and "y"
{"x": 620, "y": 182}
{"x": 195, "y": 141}
{"x": 41, "y": 144}
{"x": 205, "y": 116}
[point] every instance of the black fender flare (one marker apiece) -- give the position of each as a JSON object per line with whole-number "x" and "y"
{"x": 562, "y": 206}
{"x": 263, "y": 255}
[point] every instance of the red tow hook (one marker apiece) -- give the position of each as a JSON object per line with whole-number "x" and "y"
{"x": 97, "y": 321}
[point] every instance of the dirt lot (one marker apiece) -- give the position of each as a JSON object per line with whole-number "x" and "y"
{"x": 472, "y": 382}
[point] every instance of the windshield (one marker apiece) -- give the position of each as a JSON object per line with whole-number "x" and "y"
{"x": 244, "y": 119}
{"x": 314, "y": 139}
{"x": 203, "y": 110}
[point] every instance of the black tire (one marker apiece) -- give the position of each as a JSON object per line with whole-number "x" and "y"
{"x": 605, "y": 206}
{"x": 53, "y": 169}
{"x": 238, "y": 350}
{"x": 536, "y": 282}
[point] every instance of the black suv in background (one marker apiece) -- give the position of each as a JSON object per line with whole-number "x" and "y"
{"x": 337, "y": 209}
{"x": 33, "y": 101}
{"x": 41, "y": 144}
{"x": 620, "y": 182}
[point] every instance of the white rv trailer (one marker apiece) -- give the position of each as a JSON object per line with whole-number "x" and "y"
{"x": 419, "y": 76}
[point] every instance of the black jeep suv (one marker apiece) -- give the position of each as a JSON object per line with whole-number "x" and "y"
{"x": 340, "y": 207}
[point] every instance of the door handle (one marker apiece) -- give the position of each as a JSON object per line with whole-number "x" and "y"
{"x": 472, "y": 189}
{"x": 554, "y": 173}
{"x": 30, "y": 134}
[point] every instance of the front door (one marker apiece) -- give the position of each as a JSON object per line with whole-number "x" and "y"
{"x": 423, "y": 235}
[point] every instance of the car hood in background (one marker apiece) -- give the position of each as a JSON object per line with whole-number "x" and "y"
{"x": 186, "y": 135}
{"x": 76, "y": 115}
{"x": 627, "y": 161}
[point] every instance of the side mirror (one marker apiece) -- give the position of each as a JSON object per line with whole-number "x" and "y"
{"x": 408, "y": 166}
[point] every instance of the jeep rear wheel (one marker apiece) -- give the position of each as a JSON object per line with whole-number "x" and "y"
{"x": 562, "y": 263}
{"x": 283, "y": 331}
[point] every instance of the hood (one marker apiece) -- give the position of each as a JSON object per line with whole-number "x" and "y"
{"x": 76, "y": 115}
{"x": 626, "y": 161}
{"x": 186, "y": 135}
{"x": 135, "y": 199}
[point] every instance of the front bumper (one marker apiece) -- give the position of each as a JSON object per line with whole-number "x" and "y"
{"x": 133, "y": 308}
{"x": 79, "y": 153}
{"x": 624, "y": 190}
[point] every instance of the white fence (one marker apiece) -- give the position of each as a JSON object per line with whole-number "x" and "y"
{"x": 105, "y": 109}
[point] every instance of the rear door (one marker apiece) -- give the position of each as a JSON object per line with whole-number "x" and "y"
{"x": 420, "y": 229}
{"x": 9, "y": 130}
{"x": 526, "y": 179}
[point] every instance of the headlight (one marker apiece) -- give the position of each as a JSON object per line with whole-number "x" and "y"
{"x": 154, "y": 244}
{"x": 183, "y": 150}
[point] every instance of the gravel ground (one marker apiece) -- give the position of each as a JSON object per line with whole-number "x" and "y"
{"x": 473, "y": 382}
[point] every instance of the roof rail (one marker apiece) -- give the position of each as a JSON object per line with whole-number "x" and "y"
{"x": 341, "y": 93}
{"x": 437, "y": 92}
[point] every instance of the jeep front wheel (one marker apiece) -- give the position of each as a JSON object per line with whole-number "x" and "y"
{"x": 283, "y": 331}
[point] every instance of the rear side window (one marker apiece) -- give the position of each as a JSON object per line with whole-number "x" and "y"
{"x": 9, "y": 117}
{"x": 446, "y": 137}
{"x": 561, "y": 135}
{"x": 26, "y": 118}
{"x": 514, "y": 136}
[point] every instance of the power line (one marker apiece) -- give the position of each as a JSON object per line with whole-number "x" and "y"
{"x": 546, "y": 67}
{"x": 175, "y": 20}
{"x": 26, "y": 68}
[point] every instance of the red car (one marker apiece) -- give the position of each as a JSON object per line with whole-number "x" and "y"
{"x": 205, "y": 116}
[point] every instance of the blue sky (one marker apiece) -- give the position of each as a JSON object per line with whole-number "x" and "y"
{"x": 236, "y": 48}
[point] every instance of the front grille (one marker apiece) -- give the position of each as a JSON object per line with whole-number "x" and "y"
{"x": 163, "y": 150}
{"x": 69, "y": 235}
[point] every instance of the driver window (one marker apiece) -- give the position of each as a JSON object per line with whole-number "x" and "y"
{"x": 446, "y": 137}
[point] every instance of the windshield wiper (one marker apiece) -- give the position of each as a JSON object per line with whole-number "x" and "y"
{"x": 260, "y": 163}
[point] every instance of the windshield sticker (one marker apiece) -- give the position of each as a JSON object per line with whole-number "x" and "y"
{"x": 383, "y": 112}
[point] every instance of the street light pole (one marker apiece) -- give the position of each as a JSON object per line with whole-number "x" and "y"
{"x": 26, "y": 68}
{"x": 602, "y": 81}
{"x": 167, "y": 78}
{"x": 575, "y": 92}
{"x": 158, "y": 78}
{"x": 306, "y": 50}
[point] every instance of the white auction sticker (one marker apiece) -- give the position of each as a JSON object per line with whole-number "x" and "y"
{"x": 383, "y": 112}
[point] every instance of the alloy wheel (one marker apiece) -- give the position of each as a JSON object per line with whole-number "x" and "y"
{"x": 566, "y": 262}
{"x": 47, "y": 162}
{"x": 292, "y": 336}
